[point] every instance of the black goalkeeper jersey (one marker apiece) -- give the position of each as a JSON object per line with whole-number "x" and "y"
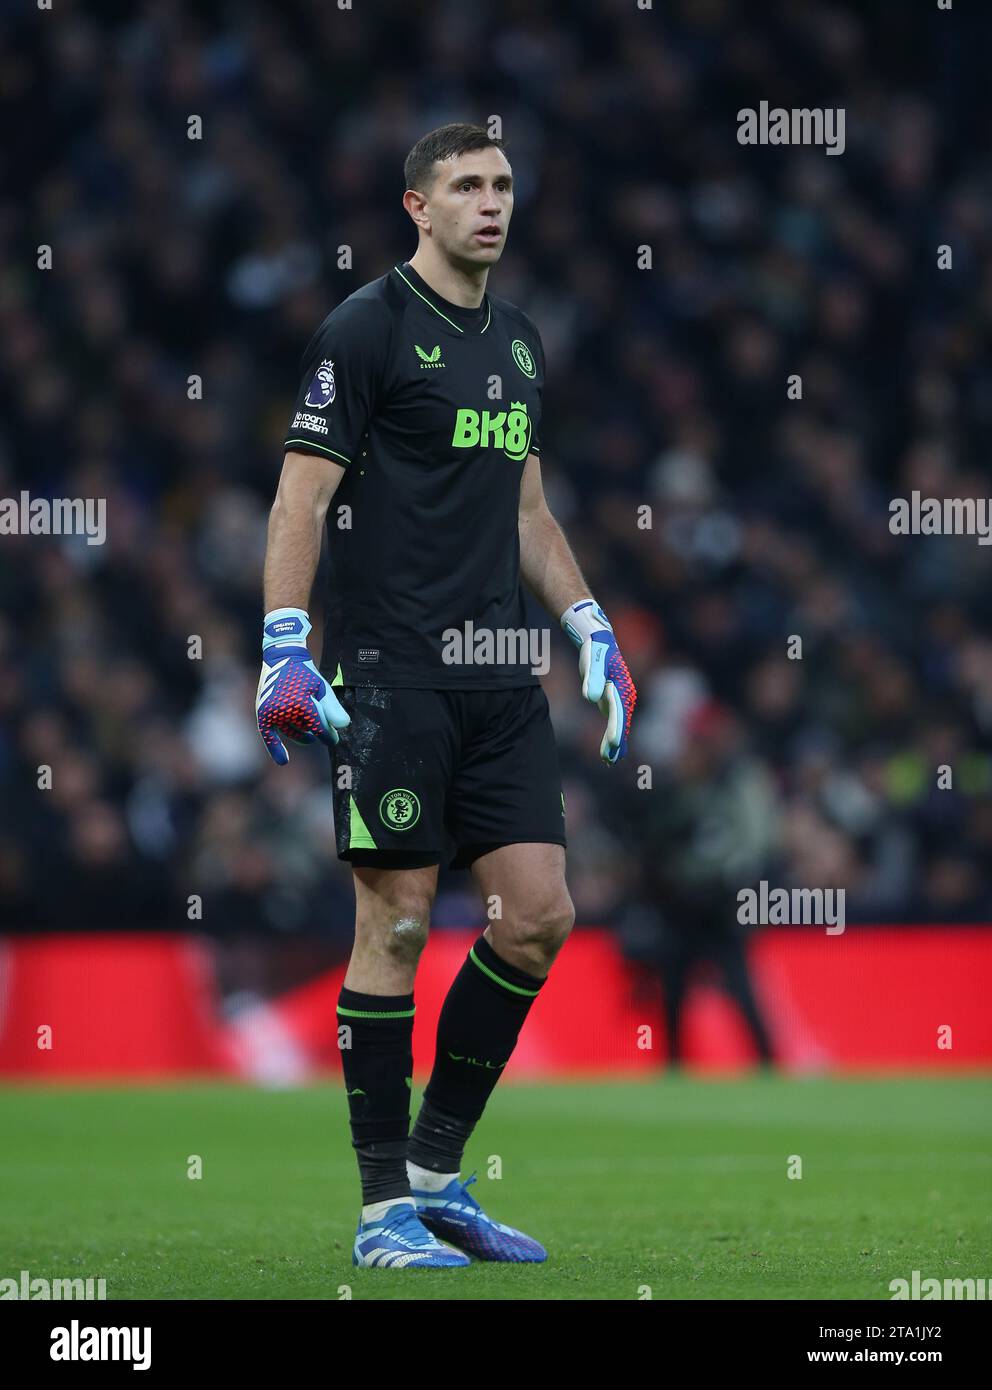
{"x": 432, "y": 410}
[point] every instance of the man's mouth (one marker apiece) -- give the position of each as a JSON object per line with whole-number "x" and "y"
{"x": 489, "y": 234}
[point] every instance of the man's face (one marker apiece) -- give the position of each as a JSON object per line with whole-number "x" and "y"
{"x": 470, "y": 206}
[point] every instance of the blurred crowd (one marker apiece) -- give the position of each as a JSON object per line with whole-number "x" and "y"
{"x": 156, "y": 361}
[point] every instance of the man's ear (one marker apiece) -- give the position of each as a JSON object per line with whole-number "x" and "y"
{"x": 416, "y": 205}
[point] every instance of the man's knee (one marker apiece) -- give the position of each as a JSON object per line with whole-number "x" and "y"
{"x": 406, "y": 928}
{"x": 396, "y": 924}
{"x": 539, "y": 930}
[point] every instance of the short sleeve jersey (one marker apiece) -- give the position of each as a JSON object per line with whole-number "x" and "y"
{"x": 432, "y": 409}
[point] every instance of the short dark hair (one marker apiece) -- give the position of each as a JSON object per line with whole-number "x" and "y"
{"x": 443, "y": 143}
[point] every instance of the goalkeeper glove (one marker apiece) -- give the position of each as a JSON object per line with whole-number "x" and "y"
{"x": 293, "y": 699}
{"x": 606, "y": 682}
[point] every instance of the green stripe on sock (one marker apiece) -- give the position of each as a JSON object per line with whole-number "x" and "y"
{"x": 376, "y": 1013}
{"x": 514, "y": 989}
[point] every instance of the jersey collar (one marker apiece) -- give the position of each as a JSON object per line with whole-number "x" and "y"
{"x": 442, "y": 307}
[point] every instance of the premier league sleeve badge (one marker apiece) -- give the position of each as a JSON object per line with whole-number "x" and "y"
{"x": 321, "y": 390}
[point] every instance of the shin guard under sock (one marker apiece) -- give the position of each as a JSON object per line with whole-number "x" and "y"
{"x": 378, "y": 1072}
{"x": 477, "y": 1031}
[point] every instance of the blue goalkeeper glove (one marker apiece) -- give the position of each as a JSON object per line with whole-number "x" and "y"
{"x": 606, "y": 682}
{"x": 293, "y": 699}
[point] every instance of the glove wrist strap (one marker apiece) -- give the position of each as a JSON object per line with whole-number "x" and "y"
{"x": 285, "y": 627}
{"x": 583, "y": 619}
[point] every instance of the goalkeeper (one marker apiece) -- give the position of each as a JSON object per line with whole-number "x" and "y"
{"x": 415, "y": 437}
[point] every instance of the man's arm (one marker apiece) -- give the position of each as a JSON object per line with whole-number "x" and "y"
{"x": 547, "y": 565}
{"x": 306, "y": 487}
{"x": 330, "y": 417}
{"x": 552, "y": 573}
{"x": 293, "y": 701}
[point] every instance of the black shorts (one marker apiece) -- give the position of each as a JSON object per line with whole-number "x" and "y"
{"x": 441, "y": 776}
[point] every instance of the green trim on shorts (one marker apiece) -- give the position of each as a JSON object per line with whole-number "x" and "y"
{"x": 359, "y": 836}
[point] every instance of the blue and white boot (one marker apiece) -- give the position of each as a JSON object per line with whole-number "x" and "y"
{"x": 399, "y": 1240}
{"x": 454, "y": 1214}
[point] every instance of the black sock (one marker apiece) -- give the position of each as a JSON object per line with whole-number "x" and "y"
{"x": 480, "y": 1021}
{"x": 378, "y": 1072}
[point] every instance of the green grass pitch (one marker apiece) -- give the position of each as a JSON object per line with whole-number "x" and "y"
{"x": 676, "y": 1184}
